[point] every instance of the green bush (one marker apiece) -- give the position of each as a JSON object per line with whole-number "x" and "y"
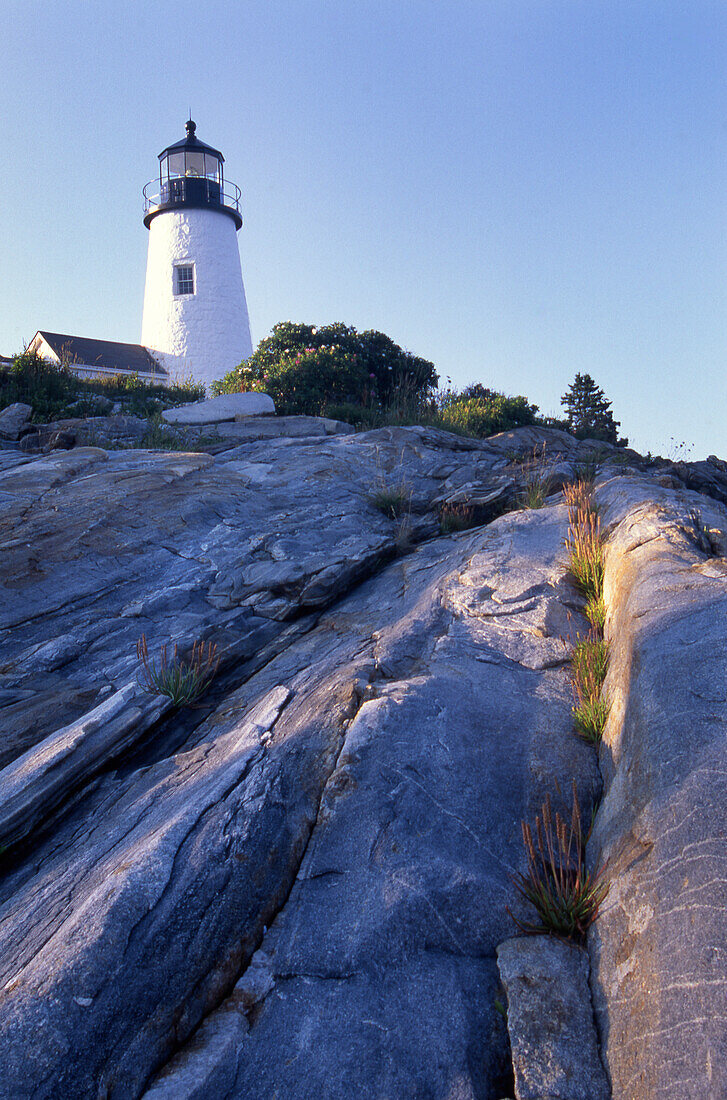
{"x": 305, "y": 383}
{"x": 382, "y": 368}
{"x": 483, "y": 416}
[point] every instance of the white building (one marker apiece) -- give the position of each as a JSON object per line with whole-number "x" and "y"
{"x": 195, "y": 314}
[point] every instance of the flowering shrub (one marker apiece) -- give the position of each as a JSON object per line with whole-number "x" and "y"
{"x": 374, "y": 368}
{"x": 307, "y": 381}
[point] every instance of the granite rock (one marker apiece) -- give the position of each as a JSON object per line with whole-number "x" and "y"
{"x": 657, "y": 949}
{"x": 229, "y": 406}
{"x": 14, "y": 419}
{"x": 298, "y": 886}
{"x": 550, "y": 1020}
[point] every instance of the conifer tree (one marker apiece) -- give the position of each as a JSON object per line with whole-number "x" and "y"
{"x": 589, "y": 413}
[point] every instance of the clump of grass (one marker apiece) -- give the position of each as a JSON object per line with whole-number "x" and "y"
{"x": 538, "y": 479}
{"x": 456, "y": 517}
{"x": 589, "y": 662}
{"x": 404, "y": 535}
{"x": 585, "y": 549}
{"x": 392, "y": 500}
{"x": 589, "y": 718}
{"x": 579, "y": 495}
{"x": 589, "y": 665}
{"x": 595, "y": 612}
{"x": 565, "y": 895}
{"x": 181, "y": 679}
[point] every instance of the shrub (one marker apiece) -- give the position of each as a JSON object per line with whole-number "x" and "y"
{"x": 181, "y": 679}
{"x": 46, "y": 386}
{"x": 306, "y": 383}
{"x": 382, "y": 368}
{"x": 483, "y": 416}
{"x": 565, "y": 895}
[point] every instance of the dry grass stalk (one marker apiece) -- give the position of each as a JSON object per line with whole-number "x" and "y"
{"x": 181, "y": 679}
{"x": 578, "y": 495}
{"x": 564, "y": 893}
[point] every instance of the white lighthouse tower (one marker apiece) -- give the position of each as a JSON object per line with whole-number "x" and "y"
{"x": 195, "y": 314}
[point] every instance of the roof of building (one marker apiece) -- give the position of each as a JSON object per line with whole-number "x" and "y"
{"x": 107, "y": 354}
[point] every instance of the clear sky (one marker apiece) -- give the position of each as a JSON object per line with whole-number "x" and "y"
{"x": 515, "y": 189}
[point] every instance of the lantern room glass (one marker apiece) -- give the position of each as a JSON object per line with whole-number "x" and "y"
{"x": 191, "y": 162}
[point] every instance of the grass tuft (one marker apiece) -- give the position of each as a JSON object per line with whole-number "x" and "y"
{"x": 538, "y": 479}
{"x": 585, "y": 549}
{"x": 595, "y": 611}
{"x": 589, "y": 662}
{"x": 589, "y": 665}
{"x": 565, "y": 895}
{"x": 456, "y": 517}
{"x": 589, "y": 719}
{"x": 392, "y": 500}
{"x": 181, "y": 679}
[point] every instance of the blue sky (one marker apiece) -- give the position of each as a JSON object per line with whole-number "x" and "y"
{"x": 515, "y": 189}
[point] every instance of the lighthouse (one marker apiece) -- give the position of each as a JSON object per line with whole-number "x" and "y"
{"x": 195, "y": 315}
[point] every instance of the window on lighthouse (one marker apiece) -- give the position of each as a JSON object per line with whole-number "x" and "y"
{"x": 184, "y": 279}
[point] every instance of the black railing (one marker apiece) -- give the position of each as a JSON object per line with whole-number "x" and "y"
{"x": 191, "y": 191}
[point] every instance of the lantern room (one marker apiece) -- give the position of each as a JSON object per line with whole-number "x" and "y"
{"x": 191, "y": 174}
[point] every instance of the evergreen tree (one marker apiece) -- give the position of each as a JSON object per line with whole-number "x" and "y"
{"x": 589, "y": 413}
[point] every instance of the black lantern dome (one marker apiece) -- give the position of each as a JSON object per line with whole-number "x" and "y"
{"x": 191, "y": 174}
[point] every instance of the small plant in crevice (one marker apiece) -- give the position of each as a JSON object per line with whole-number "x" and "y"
{"x": 589, "y": 717}
{"x": 589, "y": 660}
{"x": 566, "y": 896}
{"x": 589, "y": 665}
{"x": 456, "y": 517}
{"x": 595, "y": 612}
{"x": 585, "y": 551}
{"x": 392, "y": 500}
{"x": 578, "y": 495}
{"x": 404, "y": 534}
{"x": 181, "y": 679}
{"x": 537, "y": 479}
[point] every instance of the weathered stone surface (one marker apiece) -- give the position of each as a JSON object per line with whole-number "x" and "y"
{"x": 13, "y": 420}
{"x": 374, "y": 751}
{"x": 658, "y": 948}
{"x": 229, "y": 406}
{"x": 101, "y": 431}
{"x": 379, "y": 971}
{"x": 207, "y": 1067}
{"x": 325, "y": 844}
{"x": 550, "y": 1020}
